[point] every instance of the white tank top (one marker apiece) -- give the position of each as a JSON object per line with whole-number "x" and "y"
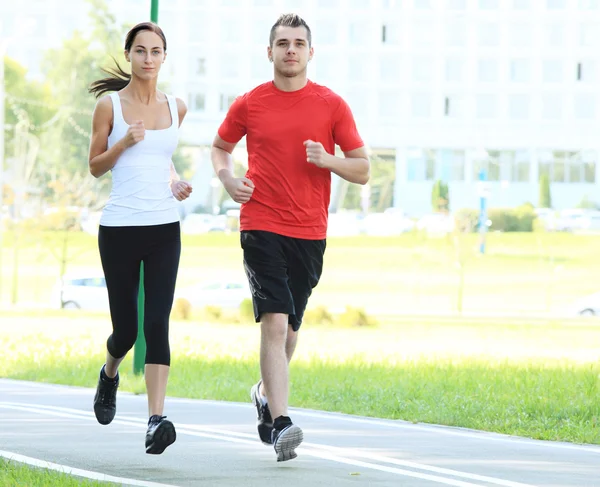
{"x": 140, "y": 192}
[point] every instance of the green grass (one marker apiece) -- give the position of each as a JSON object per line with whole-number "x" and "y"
{"x": 14, "y": 474}
{"x": 519, "y": 273}
{"x": 539, "y": 380}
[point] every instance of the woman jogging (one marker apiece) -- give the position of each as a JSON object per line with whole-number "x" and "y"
{"x": 134, "y": 135}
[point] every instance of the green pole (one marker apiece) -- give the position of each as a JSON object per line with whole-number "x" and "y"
{"x": 139, "y": 350}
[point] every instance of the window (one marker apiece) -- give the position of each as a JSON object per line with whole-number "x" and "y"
{"x": 589, "y": 35}
{"x": 328, "y": 67}
{"x": 487, "y": 106}
{"x": 488, "y": 4}
{"x": 358, "y": 102}
{"x": 422, "y": 34}
{"x": 456, "y": 4}
{"x": 389, "y": 103}
{"x": 422, "y": 69}
{"x": 520, "y": 35}
{"x": 226, "y": 101}
{"x": 555, "y": 4}
{"x": 490, "y": 164}
{"x": 519, "y": 70}
{"x": 422, "y": 4}
{"x": 454, "y": 106}
{"x": 518, "y": 107}
{"x": 196, "y": 101}
{"x": 489, "y": 34}
{"x": 231, "y": 32}
{"x": 326, "y": 32}
{"x": 589, "y": 4}
{"x": 391, "y": 4}
{"x": 586, "y": 71}
{"x": 488, "y": 70}
{"x": 553, "y": 71}
{"x": 358, "y": 33}
{"x": 568, "y": 167}
{"x": 391, "y": 33}
{"x": 452, "y": 165}
{"x": 554, "y": 35}
{"x": 197, "y": 29}
{"x": 456, "y": 33}
{"x": 454, "y": 70}
{"x": 584, "y": 106}
{"x": 230, "y": 67}
{"x": 421, "y": 106}
{"x": 201, "y": 66}
{"x": 521, "y": 4}
{"x": 390, "y": 67}
{"x": 521, "y": 170}
{"x": 420, "y": 164}
{"x": 552, "y": 106}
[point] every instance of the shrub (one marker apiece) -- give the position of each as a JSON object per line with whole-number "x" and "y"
{"x": 356, "y": 317}
{"x": 247, "y": 311}
{"x": 182, "y": 309}
{"x": 318, "y": 316}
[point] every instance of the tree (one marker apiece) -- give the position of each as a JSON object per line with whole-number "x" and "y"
{"x": 440, "y": 197}
{"x": 545, "y": 198}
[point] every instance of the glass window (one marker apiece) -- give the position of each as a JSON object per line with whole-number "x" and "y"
{"x": 488, "y": 4}
{"x": 232, "y": 31}
{"x": 196, "y": 101}
{"x": 520, "y": 35}
{"x": 584, "y": 106}
{"x": 422, "y": 4}
{"x": 452, "y": 165}
{"x": 487, "y": 106}
{"x": 389, "y": 103}
{"x": 488, "y": 70}
{"x": 586, "y": 71}
{"x": 521, "y": 170}
{"x": 552, "y": 106}
{"x": 489, "y": 34}
{"x": 230, "y": 70}
{"x": 225, "y": 101}
{"x": 422, "y": 69}
{"x": 554, "y": 35}
{"x": 521, "y": 4}
{"x": 518, "y": 107}
{"x": 420, "y": 164}
{"x": 455, "y": 106}
{"x": 421, "y": 105}
{"x": 491, "y": 166}
{"x": 553, "y": 70}
{"x": 358, "y": 33}
{"x": 390, "y": 67}
{"x": 391, "y": 33}
{"x": 556, "y": 4}
{"x": 456, "y": 33}
{"x": 392, "y": 4}
{"x": 589, "y": 35}
{"x": 325, "y": 32}
{"x": 422, "y": 34}
{"x": 520, "y": 70}
{"x": 456, "y": 4}
{"x": 454, "y": 70}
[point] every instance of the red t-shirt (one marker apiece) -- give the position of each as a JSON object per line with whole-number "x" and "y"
{"x": 291, "y": 195}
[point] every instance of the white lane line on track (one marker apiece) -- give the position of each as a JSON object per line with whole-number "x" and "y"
{"x": 328, "y": 452}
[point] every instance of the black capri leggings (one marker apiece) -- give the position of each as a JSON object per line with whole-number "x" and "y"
{"x": 121, "y": 251}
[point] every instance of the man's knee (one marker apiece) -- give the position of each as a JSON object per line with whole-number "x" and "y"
{"x": 274, "y": 326}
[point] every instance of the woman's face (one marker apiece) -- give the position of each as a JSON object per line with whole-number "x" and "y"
{"x": 146, "y": 55}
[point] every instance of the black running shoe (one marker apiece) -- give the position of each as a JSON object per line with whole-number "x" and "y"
{"x": 160, "y": 434}
{"x": 264, "y": 423}
{"x": 286, "y": 440}
{"x": 105, "y": 401}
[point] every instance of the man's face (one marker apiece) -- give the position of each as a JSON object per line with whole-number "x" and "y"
{"x": 290, "y": 51}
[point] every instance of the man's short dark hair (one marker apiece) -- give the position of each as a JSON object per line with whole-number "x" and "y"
{"x": 290, "y": 20}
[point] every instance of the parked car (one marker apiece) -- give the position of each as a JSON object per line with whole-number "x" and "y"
{"x": 81, "y": 291}
{"x": 226, "y": 294}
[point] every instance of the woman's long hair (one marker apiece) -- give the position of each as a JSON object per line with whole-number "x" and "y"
{"x": 119, "y": 79}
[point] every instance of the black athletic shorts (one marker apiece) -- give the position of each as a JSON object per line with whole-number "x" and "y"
{"x": 282, "y": 272}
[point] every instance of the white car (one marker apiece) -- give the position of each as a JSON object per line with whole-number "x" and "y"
{"x": 587, "y": 306}
{"x": 87, "y": 292}
{"x": 226, "y": 294}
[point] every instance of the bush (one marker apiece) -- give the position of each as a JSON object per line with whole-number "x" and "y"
{"x": 247, "y": 311}
{"x": 318, "y": 316}
{"x": 466, "y": 220}
{"x": 182, "y": 309}
{"x": 213, "y": 313}
{"x": 356, "y": 317}
{"x": 519, "y": 219}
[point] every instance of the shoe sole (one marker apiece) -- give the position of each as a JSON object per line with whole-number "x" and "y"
{"x": 287, "y": 442}
{"x": 164, "y": 435}
{"x": 264, "y": 429}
